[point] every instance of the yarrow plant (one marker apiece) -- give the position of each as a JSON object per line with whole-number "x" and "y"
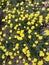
{"x": 21, "y": 39}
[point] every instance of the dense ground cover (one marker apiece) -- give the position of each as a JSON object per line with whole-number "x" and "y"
{"x": 24, "y": 32}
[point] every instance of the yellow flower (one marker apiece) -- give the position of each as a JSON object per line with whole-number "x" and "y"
{"x": 21, "y": 34}
{"x": 11, "y": 25}
{"x": 10, "y": 62}
{"x": 14, "y": 49}
{"x": 33, "y": 21}
{"x": 10, "y": 31}
{"x": 17, "y": 4}
{"x": 4, "y": 35}
{"x": 16, "y": 19}
{"x": 40, "y": 37}
{"x": 19, "y": 38}
{"x": 29, "y": 36}
{"x": 29, "y": 31}
{"x": 24, "y": 44}
{"x": 38, "y": 12}
{"x": 13, "y": 11}
{"x": 5, "y": 50}
{"x": 47, "y": 32}
{"x": 3, "y": 28}
{"x": 6, "y": 53}
{"x": 9, "y": 21}
{"x": 11, "y": 57}
{"x": 20, "y": 57}
{"x": 3, "y": 20}
{"x": 29, "y": 58}
{"x": 23, "y": 18}
{"x": 26, "y": 64}
{"x": 15, "y": 54}
{"x": 37, "y": 3}
{"x": 36, "y": 25}
{"x": 3, "y": 56}
{"x": 6, "y": 17}
{"x": 28, "y": 51}
{"x": 47, "y": 53}
{"x": 40, "y": 62}
{"x": 33, "y": 63}
{"x": 17, "y": 61}
{"x": 9, "y": 38}
{"x": 6, "y": 42}
{"x": 10, "y": 53}
{"x": 2, "y": 0}
{"x": 26, "y": 47}
{"x": 28, "y": 23}
{"x": 41, "y": 53}
{"x": 4, "y": 62}
{"x": 27, "y": 28}
{"x": 46, "y": 58}
{"x": 2, "y": 47}
{"x": 32, "y": 27}
{"x": 24, "y": 50}
{"x": 26, "y": 15}
{"x": 0, "y": 32}
{"x": 36, "y": 42}
{"x": 8, "y": 3}
{"x": 23, "y": 60}
{"x": 28, "y": 54}
{"x": 21, "y": 3}
{"x": 40, "y": 19}
{"x": 47, "y": 9}
{"x": 43, "y": 9}
{"x": 44, "y": 49}
{"x": 43, "y": 2}
{"x": 34, "y": 60}
{"x": 35, "y": 33}
{"x": 13, "y": 16}
{"x": 18, "y": 52}
{"x": 34, "y": 45}
{"x": 46, "y": 43}
{"x": 17, "y": 46}
{"x": 0, "y": 43}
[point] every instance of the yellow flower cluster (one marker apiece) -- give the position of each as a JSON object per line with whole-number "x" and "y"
{"x": 20, "y": 38}
{"x": 47, "y": 18}
{"x": 26, "y": 52}
{"x": 2, "y": 3}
